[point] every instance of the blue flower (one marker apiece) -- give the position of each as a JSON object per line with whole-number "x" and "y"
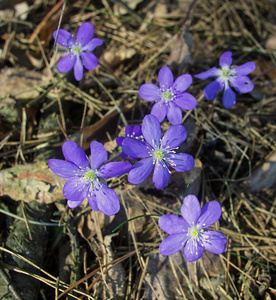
{"x": 88, "y": 181}
{"x": 170, "y": 97}
{"x": 157, "y": 152}
{"x": 78, "y": 51}
{"x": 134, "y": 133}
{"x": 225, "y": 75}
{"x": 189, "y": 233}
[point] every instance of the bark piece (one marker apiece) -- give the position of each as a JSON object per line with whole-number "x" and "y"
{"x": 115, "y": 279}
{"x": 34, "y": 249}
{"x": 161, "y": 283}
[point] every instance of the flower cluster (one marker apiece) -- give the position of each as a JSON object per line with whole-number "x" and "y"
{"x": 189, "y": 231}
{"x": 235, "y": 76}
{"x": 157, "y": 153}
{"x": 78, "y": 53}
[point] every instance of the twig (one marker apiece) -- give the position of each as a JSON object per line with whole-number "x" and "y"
{"x": 45, "y": 20}
{"x": 59, "y": 23}
{"x": 264, "y": 72}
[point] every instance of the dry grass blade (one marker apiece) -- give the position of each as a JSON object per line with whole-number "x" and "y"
{"x": 113, "y": 263}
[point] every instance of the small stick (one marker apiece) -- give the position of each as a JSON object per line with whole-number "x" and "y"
{"x": 45, "y": 20}
{"x": 59, "y": 23}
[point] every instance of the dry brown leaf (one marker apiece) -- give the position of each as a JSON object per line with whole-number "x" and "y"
{"x": 271, "y": 43}
{"x": 31, "y": 182}
{"x": 114, "y": 60}
{"x": 20, "y": 82}
{"x": 180, "y": 50}
{"x": 264, "y": 177}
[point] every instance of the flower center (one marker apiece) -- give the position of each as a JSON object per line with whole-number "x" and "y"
{"x": 167, "y": 95}
{"x": 90, "y": 175}
{"x": 76, "y": 50}
{"x": 194, "y": 232}
{"x": 159, "y": 154}
{"x": 162, "y": 155}
{"x": 225, "y": 73}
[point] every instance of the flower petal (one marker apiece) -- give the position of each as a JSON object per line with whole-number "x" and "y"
{"x": 210, "y": 214}
{"x": 128, "y": 131}
{"x": 190, "y": 209}
{"x": 242, "y": 84}
{"x": 98, "y": 154}
{"x": 137, "y": 131}
{"x": 78, "y": 68}
{"x": 185, "y": 101}
{"x": 75, "y": 154}
{"x": 119, "y": 140}
{"x": 229, "y": 97}
{"x": 159, "y": 110}
{"x": 174, "y": 114}
{"x": 151, "y": 130}
{"x": 150, "y": 92}
{"x": 66, "y": 63}
{"x": 214, "y": 242}
{"x": 73, "y": 204}
{"x": 210, "y": 91}
{"x": 173, "y": 224}
{"x": 181, "y": 162}
{"x": 193, "y": 250}
{"x": 161, "y": 175}
{"x": 209, "y": 73}
{"x": 85, "y": 33}
{"x": 92, "y": 200}
{"x": 135, "y": 148}
{"x": 165, "y": 78}
{"x": 244, "y": 69}
{"x": 63, "y": 168}
{"x": 107, "y": 200}
{"x": 114, "y": 169}
{"x": 65, "y": 38}
{"x": 172, "y": 244}
{"x": 174, "y": 137}
{"x": 75, "y": 189}
{"x": 141, "y": 171}
{"x": 182, "y": 83}
{"x": 226, "y": 59}
{"x": 89, "y": 60}
{"x": 124, "y": 156}
{"x": 90, "y": 46}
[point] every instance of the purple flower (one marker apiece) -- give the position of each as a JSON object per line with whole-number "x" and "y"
{"x": 88, "y": 181}
{"x": 157, "y": 152}
{"x": 189, "y": 232}
{"x": 134, "y": 133}
{"x": 236, "y": 76}
{"x": 78, "y": 51}
{"x": 170, "y": 97}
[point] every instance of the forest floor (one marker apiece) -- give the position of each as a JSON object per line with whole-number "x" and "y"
{"x": 49, "y": 251}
